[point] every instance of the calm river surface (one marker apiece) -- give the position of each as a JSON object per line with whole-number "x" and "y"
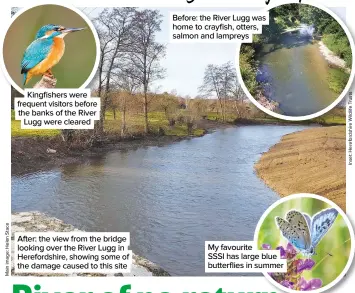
{"x": 170, "y": 198}
{"x": 297, "y": 74}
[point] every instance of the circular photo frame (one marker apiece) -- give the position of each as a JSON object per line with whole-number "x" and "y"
{"x": 50, "y": 43}
{"x": 323, "y": 99}
{"x": 314, "y": 235}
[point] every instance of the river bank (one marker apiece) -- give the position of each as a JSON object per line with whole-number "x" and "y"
{"x": 38, "y": 222}
{"x": 31, "y": 154}
{"x": 332, "y": 58}
{"x": 35, "y": 153}
{"x": 309, "y": 161}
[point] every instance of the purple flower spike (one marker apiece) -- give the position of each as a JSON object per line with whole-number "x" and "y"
{"x": 304, "y": 285}
{"x": 306, "y": 264}
{"x": 311, "y": 285}
{"x": 266, "y": 246}
{"x": 287, "y": 284}
{"x": 283, "y": 254}
{"x": 291, "y": 251}
{"x": 316, "y": 284}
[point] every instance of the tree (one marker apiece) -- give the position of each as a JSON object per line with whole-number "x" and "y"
{"x": 126, "y": 82}
{"x": 170, "y": 105}
{"x": 145, "y": 53}
{"x": 238, "y": 96}
{"x": 211, "y": 84}
{"x": 114, "y": 28}
{"x": 219, "y": 80}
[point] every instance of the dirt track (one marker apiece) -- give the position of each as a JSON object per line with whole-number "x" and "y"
{"x": 310, "y": 161}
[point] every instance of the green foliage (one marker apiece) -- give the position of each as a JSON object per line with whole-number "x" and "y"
{"x": 333, "y": 28}
{"x": 338, "y": 80}
{"x": 333, "y": 35}
{"x": 339, "y": 45}
{"x": 248, "y": 67}
{"x": 286, "y": 16}
{"x": 314, "y": 16}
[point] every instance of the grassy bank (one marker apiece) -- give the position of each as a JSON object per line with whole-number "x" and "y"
{"x": 16, "y": 130}
{"x": 309, "y": 161}
{"x": 334, "y": 117}
{"x": 135, "y": 126}
{"x": 337, "y": 42}
{"x": 338, "y": 79}
{"x": 157, "y": 120}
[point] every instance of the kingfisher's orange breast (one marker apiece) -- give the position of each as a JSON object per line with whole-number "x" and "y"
{"x": 55, "y": 54}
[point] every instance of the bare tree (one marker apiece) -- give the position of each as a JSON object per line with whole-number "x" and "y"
{"x": 105, "y": 49}
{"x": 127, "y": 83}
{"x": 114, "y": 26}
{"x": 228, "y": 78}
{"x": 219, "y": 81}
{"x": 146, "y": 53}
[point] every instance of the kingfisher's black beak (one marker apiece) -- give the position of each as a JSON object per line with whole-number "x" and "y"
{"x": 72, "y": 29}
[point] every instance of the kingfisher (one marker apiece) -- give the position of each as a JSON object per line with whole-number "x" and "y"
{"x": 45, "y": 51}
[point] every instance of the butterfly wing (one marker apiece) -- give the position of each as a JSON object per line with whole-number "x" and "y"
{"x": 308, "y": 220}
{"x": 321, "y": 223}
{"x": 299, "y": 222}
{"x": 293, "y": 235}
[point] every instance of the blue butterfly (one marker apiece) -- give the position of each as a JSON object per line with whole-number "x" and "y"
{"x": 303, "y": 232}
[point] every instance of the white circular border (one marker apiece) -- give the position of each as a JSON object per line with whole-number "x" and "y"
{"x": 346, "y": 220}
{"x": 331, "y": 106}
{"x": 80, "y": 13}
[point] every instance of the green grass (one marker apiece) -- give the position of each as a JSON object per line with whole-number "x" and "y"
{"x": 135, "y": 125}
{"x": 218, "y": 117}
{"x": 334, "y": 117}
{"x": 17, "y": 131}
{"x": 329, "y": 119}
{"x": 157, "y": 120}
{"x": 339, "y": 44}
{"x": 338, "y": 80}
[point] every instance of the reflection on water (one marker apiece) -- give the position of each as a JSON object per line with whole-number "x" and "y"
{"x": 296, "y": 75}
{"x": 170, "y": 198}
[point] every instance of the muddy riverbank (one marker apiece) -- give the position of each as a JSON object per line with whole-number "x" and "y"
{"x": 309, "y": 161}
{"x": 31, "y": 154}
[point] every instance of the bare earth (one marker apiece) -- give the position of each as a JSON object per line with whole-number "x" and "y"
{"x": 309, "y": 161}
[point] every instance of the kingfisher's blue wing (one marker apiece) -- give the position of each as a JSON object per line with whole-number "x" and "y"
{"x": 35, "y": 53}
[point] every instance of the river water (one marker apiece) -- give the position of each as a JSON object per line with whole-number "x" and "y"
{"x": 171, "y": 198}
{"x": 296, "y": 75}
